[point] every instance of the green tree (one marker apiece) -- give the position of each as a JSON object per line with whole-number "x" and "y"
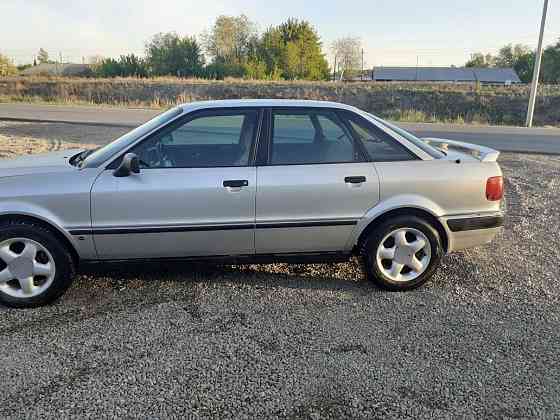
{"x": 7, "y": 67}
{"x": 509, "y": 55}
{"x": 125, "y": 66}
{"x": 169, "y": 54}
{"x": 132, "y": 65}
{"x": 519, "y": 57}
{"x": 109, "y": 67}
{"x": 43, "y": 56}
{"x": 524, "y": 65}
{"x": 255, "y": 69}
{"x": 480, "y": 60}
{"x": 221, "y": 70}
{"x": 230, "y": 40}
{"x": 294, "y": 50}
{"x": 551, "y": 64}
{"x": 23, "y": 67}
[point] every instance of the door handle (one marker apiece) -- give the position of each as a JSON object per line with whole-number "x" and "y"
{"x": 355, "y": 179}
{"x": 236, "y": 183}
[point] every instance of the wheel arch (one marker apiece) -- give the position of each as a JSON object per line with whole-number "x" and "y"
{"x": 404, "y": 211}
{"x": 47, "y": 225}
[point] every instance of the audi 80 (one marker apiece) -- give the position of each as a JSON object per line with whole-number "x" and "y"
{"x": 254, "y": 181}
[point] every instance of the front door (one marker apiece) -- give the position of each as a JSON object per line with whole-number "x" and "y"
{"x": 194, "y": 195}
{"x": 315, "y": 186}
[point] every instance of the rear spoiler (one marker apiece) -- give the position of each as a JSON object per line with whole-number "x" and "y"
{"x": 482, "y": 153}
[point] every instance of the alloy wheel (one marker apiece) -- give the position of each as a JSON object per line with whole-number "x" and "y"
{"x": 27, "y": 268}
{"x": 404, "y": 254}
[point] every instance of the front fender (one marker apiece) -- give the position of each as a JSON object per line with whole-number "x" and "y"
{"x": 83, "y": 245}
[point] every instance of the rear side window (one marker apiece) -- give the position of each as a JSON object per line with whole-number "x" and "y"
{"x": 293, "y": 129}
{"x": 310, "y": 137}
{"x": 380, "y": 146}
{"x": 331, "y": 130}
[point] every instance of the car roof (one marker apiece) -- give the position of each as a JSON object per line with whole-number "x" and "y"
{"x": 288, "y": 103}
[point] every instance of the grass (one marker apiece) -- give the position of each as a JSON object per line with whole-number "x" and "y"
{"x": 408, "y": 115}
{"x": 416, "y": 116}
{"x": 406, "y": 102}
{"x": 80, "y": 102}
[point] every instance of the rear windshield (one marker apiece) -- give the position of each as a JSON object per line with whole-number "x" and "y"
{"x": 436, "y": 154}
{"x": 106, "y": 152}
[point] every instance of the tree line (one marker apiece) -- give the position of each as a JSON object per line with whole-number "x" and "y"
{"x": 522, "y": 59}
{"x": 231, "y": 48}
{"x": 292, "y": 50}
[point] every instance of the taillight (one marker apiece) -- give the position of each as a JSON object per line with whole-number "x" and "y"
{"x": 495, "y": 188}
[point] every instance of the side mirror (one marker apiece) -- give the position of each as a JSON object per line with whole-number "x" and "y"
{"x": 129, "y": 165}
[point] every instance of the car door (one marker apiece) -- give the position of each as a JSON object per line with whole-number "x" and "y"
{"x": 315, "y": 185}
{"x": 194, "y": 195}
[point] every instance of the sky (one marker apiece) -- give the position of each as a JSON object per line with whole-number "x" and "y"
{"x": 393, "y": 32}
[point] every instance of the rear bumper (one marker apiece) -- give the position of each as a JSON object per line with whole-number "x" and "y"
{"x": 472, "y": 230}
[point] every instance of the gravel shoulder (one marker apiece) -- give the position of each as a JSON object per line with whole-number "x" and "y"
{"x": 160, "y": 340}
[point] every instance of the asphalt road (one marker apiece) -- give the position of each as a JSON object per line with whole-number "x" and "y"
{"x": 512, "y": 139}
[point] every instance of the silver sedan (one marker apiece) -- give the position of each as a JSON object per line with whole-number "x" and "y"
{"x": 247, "y": 181}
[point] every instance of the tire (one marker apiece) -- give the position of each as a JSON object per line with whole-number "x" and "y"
{"x": 44, "y": 264}
{"x": 384, "y": 240}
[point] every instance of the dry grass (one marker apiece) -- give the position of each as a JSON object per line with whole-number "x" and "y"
{"x": 418, "y": 102}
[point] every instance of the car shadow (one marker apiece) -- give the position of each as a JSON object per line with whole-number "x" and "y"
{"x": 336, "y": 277}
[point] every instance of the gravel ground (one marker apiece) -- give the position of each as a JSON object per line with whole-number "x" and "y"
{"x": 27, "y": 138}
{"x": 481, "y": 340}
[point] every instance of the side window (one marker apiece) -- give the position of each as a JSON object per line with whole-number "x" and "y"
{"x": 380, "y": 146}
{"x": 310, "y": 137}
{"x": 210, "y": 140}
{"x": 216, "y": 129}
{"x": 332, "y": 131}
{"x": 293, "y": 129}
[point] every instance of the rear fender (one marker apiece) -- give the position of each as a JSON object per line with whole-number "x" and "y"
{"x": 396, "y": 202}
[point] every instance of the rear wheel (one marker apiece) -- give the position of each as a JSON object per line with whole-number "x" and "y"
{"x": 402, "y": 253}
{"x": 35, "y": 267}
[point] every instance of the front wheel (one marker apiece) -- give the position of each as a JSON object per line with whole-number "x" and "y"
{"x": 35, "y": 268}
{"x": 402, "y": 253}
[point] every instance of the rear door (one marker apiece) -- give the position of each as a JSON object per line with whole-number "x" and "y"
{"x": 194, "y": 196}
{"x": 313, "y": 185}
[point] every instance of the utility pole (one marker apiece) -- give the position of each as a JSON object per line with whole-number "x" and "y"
{"x": 362, "y": 64}
{"x": 334, "y": 71}
{"x": 537, "y": 70}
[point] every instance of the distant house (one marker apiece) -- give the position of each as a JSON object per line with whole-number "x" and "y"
{"x": 55, "y": 69}
{"x": 504, "y": 76}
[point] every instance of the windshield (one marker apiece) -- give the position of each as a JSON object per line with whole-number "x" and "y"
{"x": 106, "y": 152}
{"x": 411, "y": 138}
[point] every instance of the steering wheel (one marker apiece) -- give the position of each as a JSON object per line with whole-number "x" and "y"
{"x": 143, "y": 163}
{"x": 163, "y": 156}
